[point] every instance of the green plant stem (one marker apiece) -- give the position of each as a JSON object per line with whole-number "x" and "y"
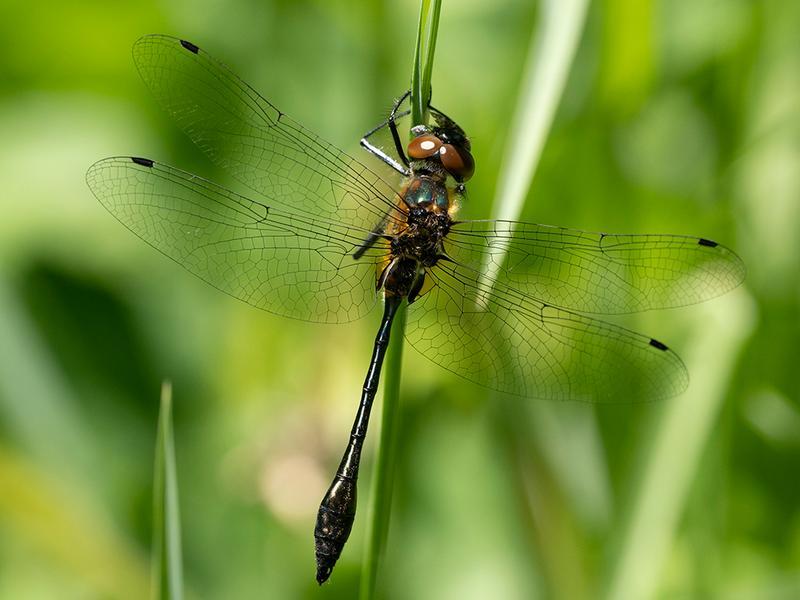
{"x": 167, "y": 560}
{"x": 674, "y": 451}
{"x": 381, "y": 500}
{"x": 553, "y": 45}
{"x": 552, "y": 49}
{"x": 424, "y": 51}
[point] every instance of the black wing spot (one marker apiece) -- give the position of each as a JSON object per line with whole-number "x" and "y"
{"x": 709, "y": 243}
{"x": 190, "y": 46}
{"x": 657, "y": 344}
{"x": 600, "y": 242}
{"x": 145, "y": 162}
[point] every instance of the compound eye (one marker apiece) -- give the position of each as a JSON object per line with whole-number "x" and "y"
{"x": 458, "y": 162}
{"x": 424, "y": 146}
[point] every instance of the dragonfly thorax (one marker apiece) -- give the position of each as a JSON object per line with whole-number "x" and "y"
{"x": 416, "y": 248}
{"x": 422, "y": 237}
{"x": 427, "y": 192}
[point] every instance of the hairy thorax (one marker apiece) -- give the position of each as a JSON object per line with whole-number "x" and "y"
{"x": 418, "y": 244}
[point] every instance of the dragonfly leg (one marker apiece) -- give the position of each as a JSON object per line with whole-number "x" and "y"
{"x": 374, "y": 236}
{"x": 398, "y": 145}
{"x": 400, "y": 167}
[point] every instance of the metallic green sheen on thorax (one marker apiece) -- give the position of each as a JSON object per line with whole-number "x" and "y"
{"x": 427, "y": 192}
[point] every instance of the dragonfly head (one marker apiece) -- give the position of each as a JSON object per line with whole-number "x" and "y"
{"x": 445, "y": 145}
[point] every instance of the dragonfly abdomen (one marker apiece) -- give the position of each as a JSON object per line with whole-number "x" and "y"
{"x": 337, "y": 511}
{"x": 338, "y": 507}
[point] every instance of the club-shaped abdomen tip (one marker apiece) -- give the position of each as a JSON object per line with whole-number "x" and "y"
{"x": 334, "y": 522}
{"x": 323, "y": 572}
{"x": 330, "y": 534}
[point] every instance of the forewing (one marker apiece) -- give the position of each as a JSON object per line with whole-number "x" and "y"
{"x": 290, "y": 264}
{"x": 258, "y": 144}
{"x": 596, "y": 272}
{"x": 507, "y": 341}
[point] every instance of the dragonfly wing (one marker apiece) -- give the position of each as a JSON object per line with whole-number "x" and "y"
{"x": 288, "y": 263}
{"x": 258, "y": 144}
{"x": 505, "y": 340}
{"x": 597, "y": 272}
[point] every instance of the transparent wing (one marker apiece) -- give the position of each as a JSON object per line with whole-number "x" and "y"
{"x": 597, "y": 272}
{"x": 288, "y": 263}
{"x": 510, "y": 342}
{"x": 258, "y": 144}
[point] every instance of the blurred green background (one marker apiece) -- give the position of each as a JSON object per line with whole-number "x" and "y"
{"x": 679, "y": 116}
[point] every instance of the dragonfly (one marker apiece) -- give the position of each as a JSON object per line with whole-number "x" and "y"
{"x": 320, "y": 236}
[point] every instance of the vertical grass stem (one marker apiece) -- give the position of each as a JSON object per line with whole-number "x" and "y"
{"x": 167, "y": 559}
{"x": 380, "y": 509}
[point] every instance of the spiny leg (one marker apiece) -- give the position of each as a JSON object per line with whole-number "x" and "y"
{"x": 375, "y": 235}
{"x": 403, "y": 168}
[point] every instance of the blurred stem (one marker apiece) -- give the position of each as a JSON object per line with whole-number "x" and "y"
{"x": 167, "y": 560}
{"x": 552, "y": 50}
{"x": 380, "y": 510}
{"x": 550, "y": 56}
{"x": 37, "y": 407}
{"x": 676, "y": 449}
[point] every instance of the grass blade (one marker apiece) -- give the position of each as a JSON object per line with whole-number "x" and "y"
{"x": 550, "y": 57}
{"x": 167, "y": 561}
{"x": 678, "y": 442}
{"x": 381, "y": 500}
{"x": 424, "y": 51}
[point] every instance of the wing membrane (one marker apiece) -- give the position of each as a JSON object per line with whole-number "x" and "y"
{"x": 597, "y": 272}
{"x": 505, "y": 340}
{"x": 259, "y": 145}
{"x": 288, "y": 263}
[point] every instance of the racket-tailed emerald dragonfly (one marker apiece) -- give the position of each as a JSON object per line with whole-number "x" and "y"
{"x": 320, "y": 236}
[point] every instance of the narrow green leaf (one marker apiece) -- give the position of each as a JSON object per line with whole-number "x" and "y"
{"x": 167, "y": 561}
{"x": 383, "y": 482}
{"x": 381, "y": 500}
{"x": 552, "y": 49}
{"x": 424, "y": 51}
{"x": 674, "y": 451}
{"x": 553, "y": 45}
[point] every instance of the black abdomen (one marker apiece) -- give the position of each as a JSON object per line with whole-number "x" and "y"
{"x": 334, "y": 522}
